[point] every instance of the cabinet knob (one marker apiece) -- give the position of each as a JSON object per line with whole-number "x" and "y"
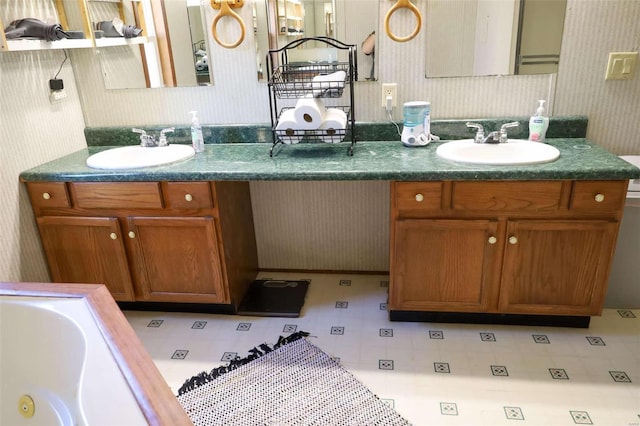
{"x": 513, "y": 240}
{"x": 188, "y": 197}
{"x": 419, "y": 198}
{"x": 132, "y": 234}
{"x": 46, "y": 195}
{"x": 493, "y": 240}
{"x": 113, "y": 236}
{"x": 599, "y": 198}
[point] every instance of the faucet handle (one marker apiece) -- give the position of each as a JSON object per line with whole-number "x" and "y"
{"x": 145, "y": 139}
{"x": 503, "y": 130}
{"x": 163, "y": 138}
{"x": 479, "y": 131}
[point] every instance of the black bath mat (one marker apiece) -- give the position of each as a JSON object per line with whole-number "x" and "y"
{"x": 274, "y": 298}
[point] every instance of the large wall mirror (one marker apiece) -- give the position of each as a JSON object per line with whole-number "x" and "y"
{"x": 350, "y": 21}
{"x": 493, "y": 37}
{"x": 172, "y": 50}
{"x": 178, "y": 56}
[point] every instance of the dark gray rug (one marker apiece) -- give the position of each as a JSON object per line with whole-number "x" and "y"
{"x": 290, "y": 383}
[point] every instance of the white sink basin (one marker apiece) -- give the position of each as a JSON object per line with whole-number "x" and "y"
{"x": 131, "y": 157}
{"x": 515, "y": 151}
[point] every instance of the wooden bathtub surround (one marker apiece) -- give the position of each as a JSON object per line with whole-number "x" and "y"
{"x": 503, "y": 247}
{"x": 156, "y": 400}
{"x": 182, "y": 242}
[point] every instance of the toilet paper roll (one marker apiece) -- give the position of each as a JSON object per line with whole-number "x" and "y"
{"x": 309, "y": 113}
{"x": 287, "y": 128}
{"x": 333, "y": 126}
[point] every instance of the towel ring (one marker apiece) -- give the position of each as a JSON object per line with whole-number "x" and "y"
{"x": 225, "y": 7}
{"x": 403, "y": 4}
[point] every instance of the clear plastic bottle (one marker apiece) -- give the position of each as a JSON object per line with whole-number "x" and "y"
{"x": 538, "y": 124}
{"x": 196, "y": 132}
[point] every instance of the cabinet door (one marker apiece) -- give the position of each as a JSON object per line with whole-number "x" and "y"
{"x": 556, "y": 267}
{"x": 87, "y": 250}
{"x": 176, "y": 259}
{"x": 444, "y": 265}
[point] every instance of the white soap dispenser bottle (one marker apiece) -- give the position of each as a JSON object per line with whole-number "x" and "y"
{"x": 196, "y": 132}
{"x": 538, "y": 124}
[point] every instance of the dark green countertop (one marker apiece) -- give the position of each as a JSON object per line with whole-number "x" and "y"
{"x": 383, "y": 160}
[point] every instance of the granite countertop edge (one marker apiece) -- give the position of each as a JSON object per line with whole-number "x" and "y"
{"x": 580, "y": 159}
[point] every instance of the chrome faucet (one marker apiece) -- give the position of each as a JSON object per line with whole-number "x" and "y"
{"x": 493, "y": 137}
{"x": 145, "y": 139}
{"x": 163, "y": 138}
{"x": 479, "y": 138}
{"x": 150, "y": 140}
{"x": 504, "y": 138}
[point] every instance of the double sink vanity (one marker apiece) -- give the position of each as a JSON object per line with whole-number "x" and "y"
{"x": 525, "y": 243}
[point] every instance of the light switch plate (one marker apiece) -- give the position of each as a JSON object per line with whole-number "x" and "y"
{"x": 621, "y": 65}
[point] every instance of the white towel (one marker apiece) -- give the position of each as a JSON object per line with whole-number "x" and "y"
{"x": 320, "y": 84}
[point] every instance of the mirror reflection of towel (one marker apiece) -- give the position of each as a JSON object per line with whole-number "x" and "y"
{"x": 116, "y": 28}
{"x": 34, "y": 28}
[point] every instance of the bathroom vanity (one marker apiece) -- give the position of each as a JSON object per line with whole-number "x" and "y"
{"x": 502, "y": 247}
{"x": 515, "y": 242}
{"x": 184, "y": 242}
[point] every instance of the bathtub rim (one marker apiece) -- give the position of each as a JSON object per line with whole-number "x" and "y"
{"x": 154, "y": 396}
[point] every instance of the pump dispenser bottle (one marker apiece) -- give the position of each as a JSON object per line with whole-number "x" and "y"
{"x": 538, "y": 124}
{"x": 196, "y": 132}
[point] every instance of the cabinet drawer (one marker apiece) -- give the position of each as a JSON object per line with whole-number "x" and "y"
{"x": 117, "y": 195}
{"x": 418, "y": 196}
{"x": 507, "y": 196}
{"x": 598, "y": 196}
{"x": 48, "y": 194}
{"x": 188, "y": 195}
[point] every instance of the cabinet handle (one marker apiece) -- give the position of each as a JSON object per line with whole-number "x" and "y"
{"x": 513, "y": 240}
{"x": 493, "y": 240}
{"x": 46, "y": 195}
{"x": 113, "y": 236}
{"x": 132, "y": 234}
{"x": 599, "y": 198}
{"x": 419, "y": 198}
{"x": 188, "y": 197}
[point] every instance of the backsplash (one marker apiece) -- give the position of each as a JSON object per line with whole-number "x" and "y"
{"x": 559, "y": 127}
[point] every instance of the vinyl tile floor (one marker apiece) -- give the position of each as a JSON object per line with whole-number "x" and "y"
{"x": 431, "y": 373}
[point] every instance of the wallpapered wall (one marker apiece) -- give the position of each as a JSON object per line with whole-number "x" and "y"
{"x": 35, "y": 131}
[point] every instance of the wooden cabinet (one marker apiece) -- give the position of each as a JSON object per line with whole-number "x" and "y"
{"x": 185, "y": 242}
{"x": 530, "y": 247}
{"x": 443, "y": 265}
{"x": 176, "y": 259}
{"x": 87, "y": 250}
{"x": 552, "y": 267}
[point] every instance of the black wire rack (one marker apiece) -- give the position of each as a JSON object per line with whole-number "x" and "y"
{"x": 290, "y": 81}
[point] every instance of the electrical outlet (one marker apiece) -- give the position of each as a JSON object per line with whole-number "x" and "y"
{"x": 57, "y": 95}
{"x": 389, "y": 89}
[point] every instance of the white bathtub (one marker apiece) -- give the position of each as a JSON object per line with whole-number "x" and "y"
{"x": 52, "y": 350}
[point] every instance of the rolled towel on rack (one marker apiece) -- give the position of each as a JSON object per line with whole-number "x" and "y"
{"x": 321, "y": 84}
{"x": 309, "y": 113}
{"x": 333, "y": 127}
{"x": 287, "y": 126}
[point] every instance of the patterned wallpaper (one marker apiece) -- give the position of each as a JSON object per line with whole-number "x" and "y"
{"x": 36, "y": 131}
